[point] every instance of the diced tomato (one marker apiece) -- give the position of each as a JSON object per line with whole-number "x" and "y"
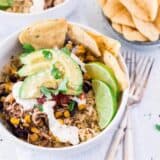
{"x": 61, "y": 99}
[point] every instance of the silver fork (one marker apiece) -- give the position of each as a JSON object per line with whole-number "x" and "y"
{"x": 139, "y": 68}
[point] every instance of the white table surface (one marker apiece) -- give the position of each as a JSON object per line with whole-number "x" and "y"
{"x": 144, "y": 116}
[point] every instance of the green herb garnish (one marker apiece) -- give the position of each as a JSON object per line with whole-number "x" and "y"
{"x": 157, "y": 126}
{"x": 55, "y": 72}
{"x": 63, "y": 86}
{"x": 66, "y": 51}
{"x": 47, "y": 92}
{"x": 28, "y": 48}
{"x": 47, "y": 54}
{"x": 39, "y": 106}
{"x": 71, "y": 106}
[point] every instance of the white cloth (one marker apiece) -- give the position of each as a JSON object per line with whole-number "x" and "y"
{"x": 144, "y": 117}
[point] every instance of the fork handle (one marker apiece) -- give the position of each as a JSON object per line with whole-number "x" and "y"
{"x": 111, "y": 154}
{"x": 128, "y": 141}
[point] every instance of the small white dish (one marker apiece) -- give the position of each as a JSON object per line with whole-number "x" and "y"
{"x": 10, "y": 21}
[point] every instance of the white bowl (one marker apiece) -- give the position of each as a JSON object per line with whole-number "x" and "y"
{"x": 10, "y": 21}
{"x": 11, "y": 46}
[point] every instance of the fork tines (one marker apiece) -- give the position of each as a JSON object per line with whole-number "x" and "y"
{"x": 139, "y": 68}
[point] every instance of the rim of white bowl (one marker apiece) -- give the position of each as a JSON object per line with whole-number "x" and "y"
{"x": 37, "y": 13}
{"x": 119, "y": 113}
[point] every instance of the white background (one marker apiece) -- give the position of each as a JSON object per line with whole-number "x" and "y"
{"x": 144, "y": 116}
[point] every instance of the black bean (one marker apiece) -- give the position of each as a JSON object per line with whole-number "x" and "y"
{"x": 1, "y": 106}
{"x": 21, "y": 133}
{"x": 13, "y": 78}
{"x": 86, "y": 87}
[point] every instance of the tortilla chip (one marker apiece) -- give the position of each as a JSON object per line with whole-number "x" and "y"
{"x": 123, "y": 17}
{"x": 106, "y": 43}
{"x": 117, "y": 27}
{"x": 81, "y": 36}
{"x": 157, "y": 21}
{"x": 132, "y": 34}
{"x": 150, "y": 6}
{"x": 148, "y": 29}
{"x": 133, "y": 7}
{"x": 112, "y": 7}
{"x": 102, "y": 2}
{"x": 113, "y": 64}
{"x": 45, "y": 34}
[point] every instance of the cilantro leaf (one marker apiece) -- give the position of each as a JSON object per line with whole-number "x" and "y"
{"x": 39, "y": 106}
{"x": 63, "y": 86}
{"x": 28, "y": 48}
{"x": 71, "y": 106}
{"x": 47, "y": 54}
{"x": 47, "y": 92}
{"x": 55, "y": 72}
{"x": 157, "y": 126}
{"x": 66, "y": 51}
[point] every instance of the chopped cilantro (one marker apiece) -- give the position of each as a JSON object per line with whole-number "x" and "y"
{"x": 157, "y": 126}
{"x": 47, "y": 92}
{"x": 47, "y": 54}
{"x": 28, "y": 48}
{"x": 63, "y": 86}
{"x": 66, "y": 51}
{"x": 39, "y": 106}
{"x": 71, "y": 106}
{"x": 55, "y": 72}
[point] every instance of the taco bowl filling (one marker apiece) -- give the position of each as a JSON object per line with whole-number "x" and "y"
{"x": 64, "y": 88}
{"x": 28, "y": 6}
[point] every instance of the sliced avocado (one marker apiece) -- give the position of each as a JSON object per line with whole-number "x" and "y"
{"x": 37, "y": 75}
{"x": 27, "y": 70}
{"x": 4, "y": 4}
{"x": 36, "y": 56}
{"x": 31, "y": 85}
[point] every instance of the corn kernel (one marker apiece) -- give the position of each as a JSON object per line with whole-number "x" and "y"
{"x": 15, "y": 121}
{"x": 33, "y": 137}
{"x": 80, "y": 50}
{"x": 58, "y": 114}
{"x": 66, "y": 114}
{"x": 81, "y": 106}
{"x": 27, "y": 118}
{"x": 34, "y": 130}
{"x": 90, "y": 58}
{"x": 60, "y": 121}
{"x": 8, "y": 86}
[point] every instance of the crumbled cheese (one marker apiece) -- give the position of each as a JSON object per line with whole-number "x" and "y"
{"x": 79, "y": 62}
{"x": 79, "y": 101}
{"x": 38, "y": 6}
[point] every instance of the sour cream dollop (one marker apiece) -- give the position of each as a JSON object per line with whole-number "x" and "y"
{"x": 38, "y": 6}
{"x": 63, "y": 132}
{"x": 26, "y": 103}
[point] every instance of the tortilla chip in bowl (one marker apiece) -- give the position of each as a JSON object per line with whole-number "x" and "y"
{"x": 141, "y": 18}
{"x": 61, "y": 80}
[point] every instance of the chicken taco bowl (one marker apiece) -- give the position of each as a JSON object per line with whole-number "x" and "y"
{"x": 63, "y": 86}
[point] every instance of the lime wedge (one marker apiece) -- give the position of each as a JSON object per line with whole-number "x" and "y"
{"x": 105, "y": 103}
{"x": 101, "y": 72}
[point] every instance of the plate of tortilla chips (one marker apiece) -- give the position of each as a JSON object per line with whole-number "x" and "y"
{"x": 136, "y": 22}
